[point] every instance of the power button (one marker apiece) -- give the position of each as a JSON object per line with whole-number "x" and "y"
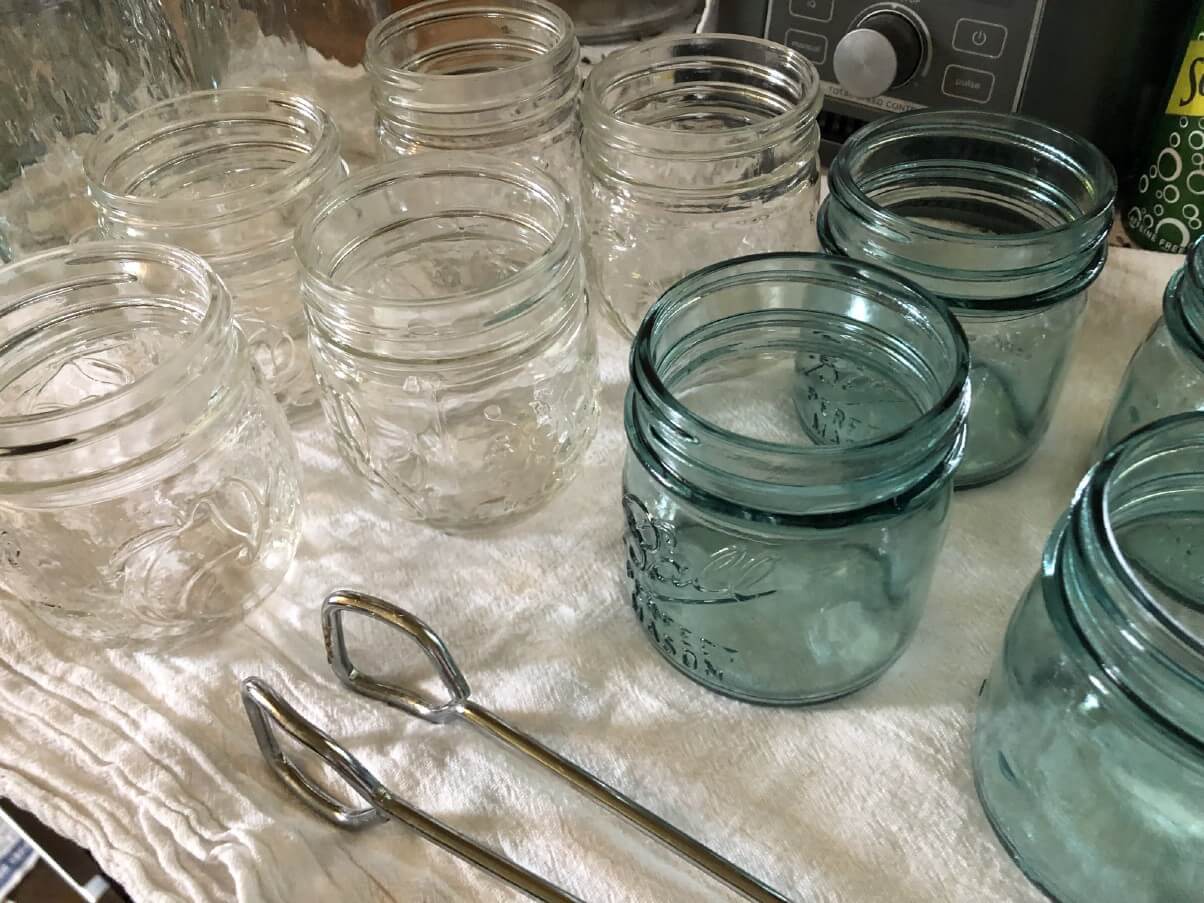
{"x": 980, "y": 38}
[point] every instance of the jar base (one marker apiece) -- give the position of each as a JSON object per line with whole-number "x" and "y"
{"x": 985, "y": 478}
{"x": 780, "y": 701}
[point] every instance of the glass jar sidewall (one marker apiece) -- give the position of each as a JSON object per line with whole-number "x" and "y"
{"x": 692, "y": 609}
{"x": 195, "y": 538}
{"x": 1052, "y": 744}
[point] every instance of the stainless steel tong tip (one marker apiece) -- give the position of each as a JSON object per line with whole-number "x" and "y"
{"x": 415, "y": 702}
{"x": 267, "y": 711}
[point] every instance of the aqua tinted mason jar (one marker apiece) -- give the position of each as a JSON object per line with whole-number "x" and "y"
{"x": 479, "y": 76}
{"x": 1089, "y": 748}
{"x": 227, "y": 175}
{"x": 1004, "y": 218}
{"x": 1166, "y": 374}
{"x": 780, "y": 544}
{"x": 697, "y": 149}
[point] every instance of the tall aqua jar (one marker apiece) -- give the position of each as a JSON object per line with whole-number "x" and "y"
{"x": 1089, "y": 748}
{"x": 1004, "y": 218}
{"x": 780, "y": 545}
{"x": 1166, "y": 374}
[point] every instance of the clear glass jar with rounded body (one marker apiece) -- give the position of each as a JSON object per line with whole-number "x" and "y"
{"x": 227, "y": 175}
{"x": 1089, "y": 747}
{"x": 793, "y": 423}
{"x": 697, "y": 149}
{"x": 473, "y": 76}
{"x": 1166, "y": 374}
{"x": 1004, "y": 218}
{"x": 148, "y": 482}
{"x": 450, "y": 334}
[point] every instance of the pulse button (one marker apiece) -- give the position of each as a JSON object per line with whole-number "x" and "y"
{"x": 980, "y": 38}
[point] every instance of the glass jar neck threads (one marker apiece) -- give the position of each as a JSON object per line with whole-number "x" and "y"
{"x": 1121, "y": 579}
{"x": 980, "y": 208}
{"x": 471, "y": 75}
{"x": 702, "y": 120}
{"x": 223, "y": 173}
{"x": 442, "y": 259}
{"x": 111, "y": 354}
{"x": 877, "y": 371}
{"x": 1183, "y": 303}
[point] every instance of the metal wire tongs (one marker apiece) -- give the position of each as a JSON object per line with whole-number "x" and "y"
{"x": 459, "y": 706}
{"x": 266, "y": 709}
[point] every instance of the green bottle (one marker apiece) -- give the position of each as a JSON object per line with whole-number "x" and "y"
{"x": 1166, "y": 210}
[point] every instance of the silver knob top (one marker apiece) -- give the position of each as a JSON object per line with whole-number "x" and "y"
{"x": 866, "y": 63}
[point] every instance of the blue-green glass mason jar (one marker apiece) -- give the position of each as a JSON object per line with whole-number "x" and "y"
{"x": 1004, "y": 218}
{"x": 780, "y": 544}
{"x": 1089, "y": 748}
{"x": 1166, "y": 374}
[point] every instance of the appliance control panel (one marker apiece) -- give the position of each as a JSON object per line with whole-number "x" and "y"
{"x": 887, "y": 57}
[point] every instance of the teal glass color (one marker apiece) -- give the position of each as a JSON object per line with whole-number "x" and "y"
{"x": 1004, "y": 218}
{"x": 1089, "y": 747}
{"x": 1166, "y": 374}
{"x": 780, "y": 545}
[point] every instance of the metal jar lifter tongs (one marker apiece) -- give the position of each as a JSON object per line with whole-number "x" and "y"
{"x": 265, "y": 708}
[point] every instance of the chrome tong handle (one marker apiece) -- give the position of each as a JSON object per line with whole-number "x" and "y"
{"x": 458, "y": 705}
{"x": 267, "y": 710}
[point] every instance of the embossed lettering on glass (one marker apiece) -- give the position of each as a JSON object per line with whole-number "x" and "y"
{"x": 697, "y": 149}
{"x": 450, "y": 334}
{"x": 780, "y": 545}
{"x": 148, "y": 481}
{"x": 227, "y": 174}
{"x": 1004, "y": 218}
{"x": 1089, "y": 747}
{"x": 1166, "y": 374}
{"x": 472, "y": 75}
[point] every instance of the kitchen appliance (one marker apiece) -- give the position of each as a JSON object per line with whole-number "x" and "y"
{"x": 1095, "y": 67}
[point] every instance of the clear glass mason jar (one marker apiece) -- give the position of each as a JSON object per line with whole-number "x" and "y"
{"x": 697, "y": 149}
{"x": 479, "y": 76}
{"x": 1089, "y": 747}
{"x": 793, "y": 422}
{"x": 1004, "y": 218}
{"x": 227, "y": 174}
{"x": 148, "y": 482}
{"x": 450, "y": 334}
{"x": 1166, "y": 374}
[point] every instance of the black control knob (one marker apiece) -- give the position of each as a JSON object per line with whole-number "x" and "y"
{"x": 883, "y": 51}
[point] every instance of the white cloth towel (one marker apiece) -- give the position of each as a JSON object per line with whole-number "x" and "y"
{"x": 148, "y": 761}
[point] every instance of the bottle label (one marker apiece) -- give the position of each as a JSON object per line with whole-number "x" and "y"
{"x": 1187, "y": 98}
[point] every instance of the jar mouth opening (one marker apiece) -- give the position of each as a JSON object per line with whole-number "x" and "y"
{"x": 1029, "y": 153}
{"x": 95, "y": 273}
{"x": 470, "y": 44}
{"x": 1143, "y": 469}
{"x": 353, "y": 237}
{"x": 701, "y": 95}
{"x": 799, "y": 273}
{"x": 262, "y": 146}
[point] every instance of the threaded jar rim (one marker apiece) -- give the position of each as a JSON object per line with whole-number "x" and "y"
{"x": 799, "y": 94}
{"x": 974, "y": 269}
{"x": 900, "y": 463}
{"x": 492, "y": 89}
{"x": 44, "y": 431}
{"x": 199, "y": 109}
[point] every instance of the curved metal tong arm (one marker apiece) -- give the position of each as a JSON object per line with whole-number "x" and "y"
{"x": 458, "y": 705}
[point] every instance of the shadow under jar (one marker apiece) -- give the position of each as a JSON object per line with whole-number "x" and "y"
{"x": 697, "y": 149}
{"x": 1005, "y": 219}
{"x": 1166, "y": 374}
{"x": 1089, "y": 747}
{"x": 450, "y": 334}
{"x": 148, "y": 482}
{"x": 479, "y": 76}
{"x": 793, "y": 423}
{"x": 227, "y": 175}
